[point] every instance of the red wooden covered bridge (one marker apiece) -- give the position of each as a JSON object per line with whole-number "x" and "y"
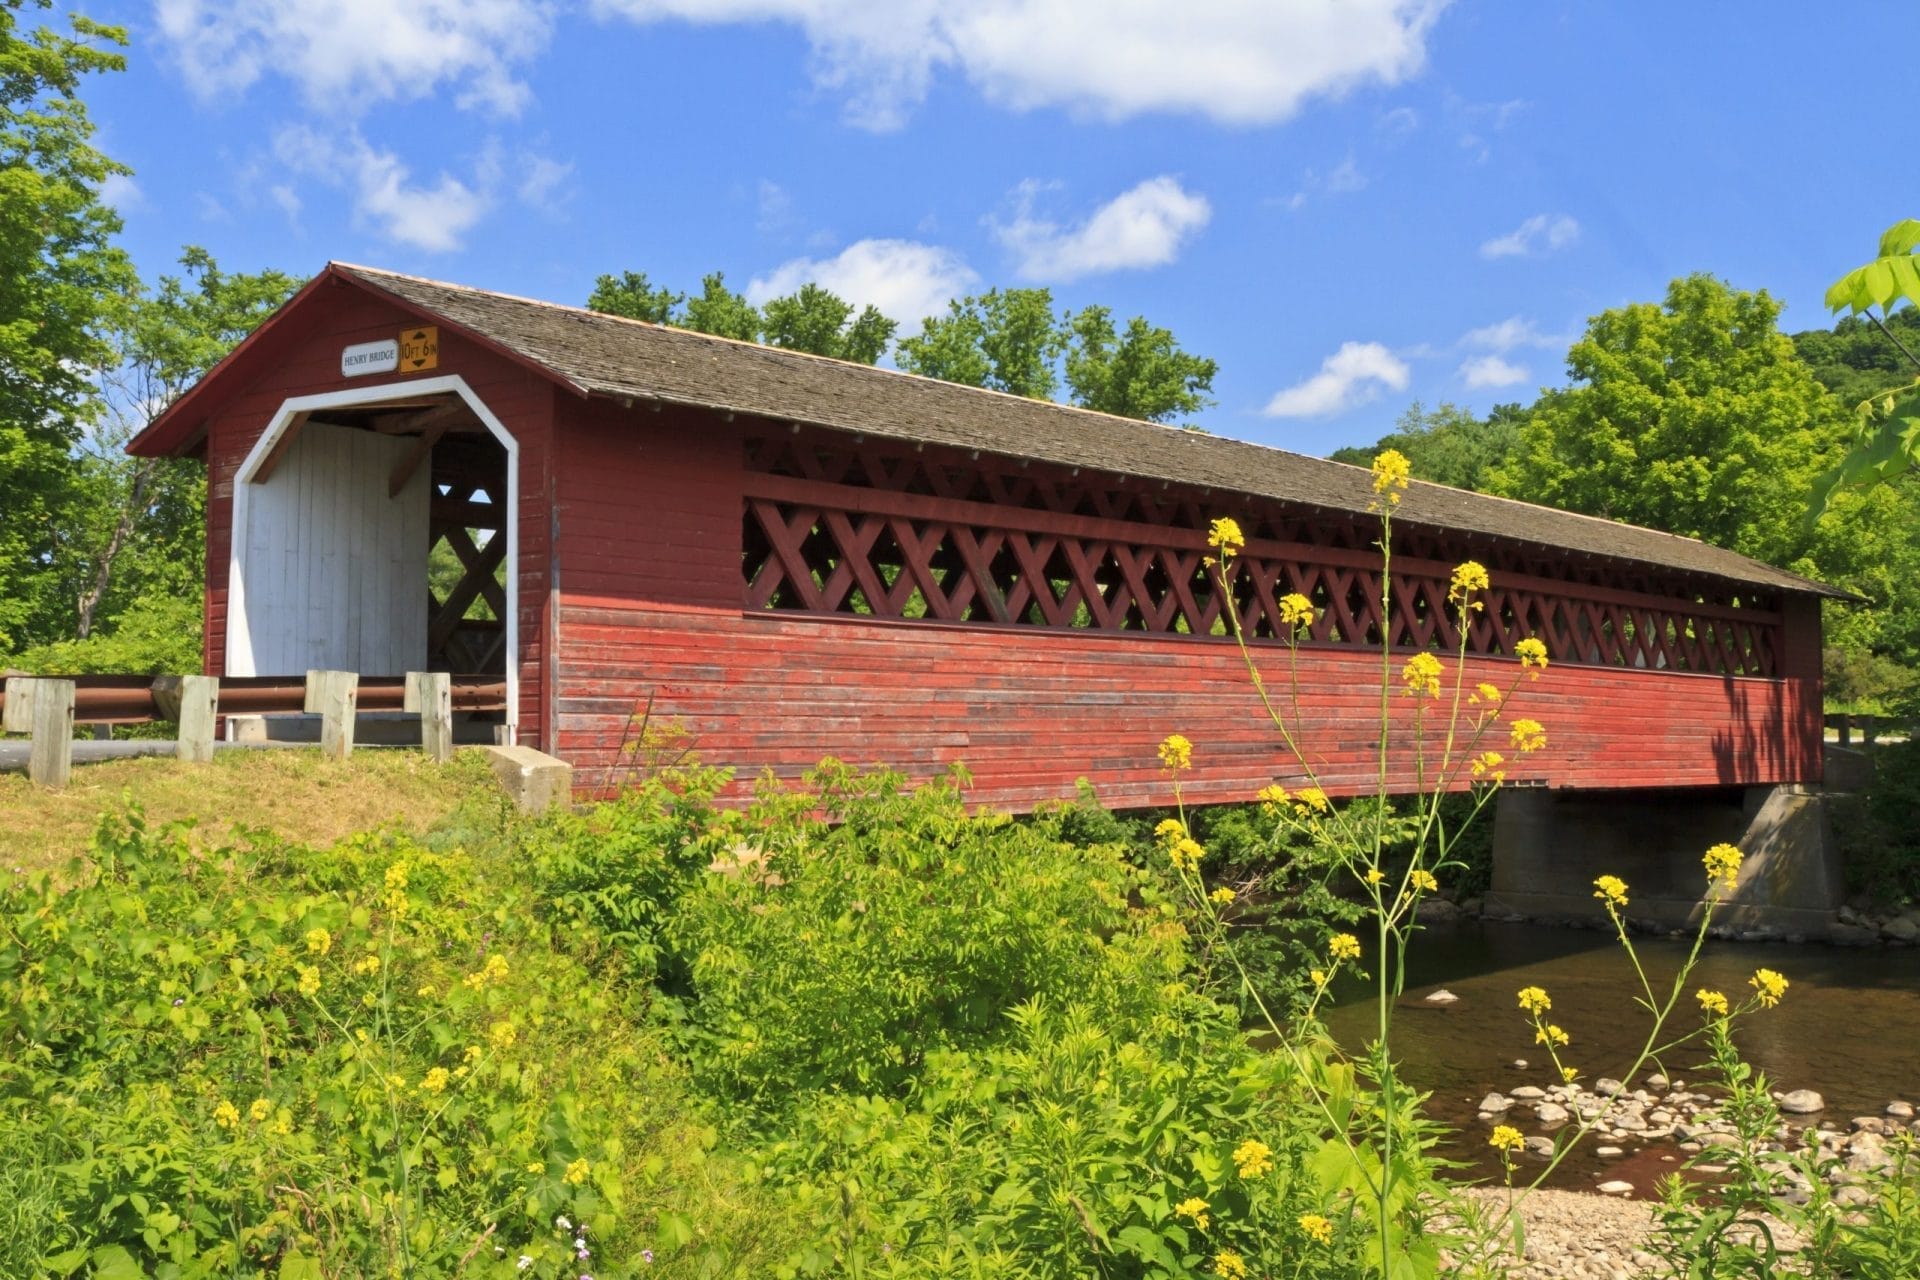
{"x": 795, "y": 557}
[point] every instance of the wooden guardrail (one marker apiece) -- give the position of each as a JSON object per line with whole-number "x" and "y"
{"x": 1871, "y": 726}
{"x": 48, "y": 708}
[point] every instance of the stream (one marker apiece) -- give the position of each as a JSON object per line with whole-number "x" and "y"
{"x": 1848, "y": 1027}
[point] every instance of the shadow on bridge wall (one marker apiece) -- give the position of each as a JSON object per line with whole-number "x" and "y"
{"x": 1764, "y": 742}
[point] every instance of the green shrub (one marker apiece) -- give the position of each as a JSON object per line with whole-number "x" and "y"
{"x": 856, "y": 926}
{"x": 357, "y": 1061}
{"x": 1879, "y": 837}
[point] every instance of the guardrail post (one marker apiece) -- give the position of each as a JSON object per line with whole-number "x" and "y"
{"x": 50, "y": 759}
{"x": 19, "y": 709}
{"x": 334, "y": 695}
{"x": 199, "y": 711}
{"x": 430, "y": 693}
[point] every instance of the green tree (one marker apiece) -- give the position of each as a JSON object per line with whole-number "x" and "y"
{"x": 1856, "y": 359}
{"x": 819, "y": 321}
{"x": 60, "y": 279}
{"x": 720, "y": 311}
{"x": 1006, "y": 340}
{"x": 1448, "y": 444}
{"x": 1886, "y": 442}
{"x": 1141, "y": 373}
{"x": 632, "y": 295}
{"x": 1694, "y": 416}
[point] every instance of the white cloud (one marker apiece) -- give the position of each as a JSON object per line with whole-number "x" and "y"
{"x": 906, "y": 280}
{"x": 121, "y": 193}
{"x": 1143, "y": 227}
{"x": 1399, "y": 122}
{"x": 1347, "y": 177}
{"x": 542, "y": 184}
{"x": 773, "y": 208}
{"x": 433, "y": 218}
{"x": 1491, "y": 371}
{"x": 1514, "y": 331}
{"x": 347, "y": 56}
{"x": 1351, "y": 376}
{"x": 1235, "y": 61}
{"x": 1542, "y": 233}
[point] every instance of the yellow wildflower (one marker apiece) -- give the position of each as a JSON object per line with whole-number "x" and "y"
{"x": 1225, "y": 537}
{"x": 1170, "y": 829}
{"x": 1769, "y": 986}
{"x": 1723, "y": 865}
{"x": 368, "y": 964}
{"x": 309, "y": 980}
{"x": 1296, "y": 610}
{"x": 1391, "y": 472}
{"x": 1487, "y": 765}
{"x": 1344, "y": 946}
{"x": 1375, "y": 875}
{"x": 1711, "y": 1001}
{"x": 1506, "y": 1138}
{"x": 1229, "y": 1265}
{"x": 1422, "y": 674}
{"x": 1317, "y": 1228}
{"x": 1319, "y": 977}
{"x": 226, "y": 1115}
{"x": 1186, "y": 854}
{"x": 435, "y": 1081}
{"x": 1532, "y": 654}
{"x": 576, "y": 1173}
{"x": 1484, "y": 692}
{"x": 1195, "y": 1208}
{"x": 1253, "y": 1158}
{"x": 424, "y": 993}
{"x": 1310, "y": 799}
{"x": 502, "y": 1034}
{"x": 534, "y": 1166}
{"x": 1611, "y": 890}
{"x": 1468, "y": 577}
{"x": 1423, "y": 881}
{"x": 492, "y": 973}
{"x": 1552, "y": 1035}
{"x": 319, "y": 942}
{"x": 1527, "y": 735}
{"x": 1534, "y": 1000}
{"x": 398, "y": 1082}
{"x": 473, "y": 1054}
{"x": 396, "y": 877}
{"x": 1569, "y": 1074}
{"x": 1176, "y": 752}
{"x": 260, "y": 1110}
{"x": 1272, "y": 794}
{"x": 1222, "y": 896}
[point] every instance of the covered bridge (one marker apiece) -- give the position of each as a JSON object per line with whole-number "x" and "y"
{"x": 795, "y": 557}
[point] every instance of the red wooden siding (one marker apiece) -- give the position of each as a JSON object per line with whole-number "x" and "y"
{"x": 306, "y": 361}
{"x": 653, "y": 596}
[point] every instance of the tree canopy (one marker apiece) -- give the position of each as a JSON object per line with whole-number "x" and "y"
{"x": 1448, "y": 444}
{"x": 61, "y": 278}
{"x": 1694, "y": 416}
{"x": 810, "y": 319}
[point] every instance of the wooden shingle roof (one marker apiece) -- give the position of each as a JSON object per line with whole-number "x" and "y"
{"x": 604, "y": 355}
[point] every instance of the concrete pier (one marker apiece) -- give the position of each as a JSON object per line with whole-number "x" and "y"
{"x": 1549, "y": 845}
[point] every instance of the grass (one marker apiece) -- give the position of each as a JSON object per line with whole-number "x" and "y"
{"x": 294, "y": 792}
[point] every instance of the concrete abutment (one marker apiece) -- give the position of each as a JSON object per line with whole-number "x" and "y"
{"x": 1550, "y": 845}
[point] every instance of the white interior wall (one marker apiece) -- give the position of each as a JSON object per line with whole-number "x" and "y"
{"x": 335, "y": 572}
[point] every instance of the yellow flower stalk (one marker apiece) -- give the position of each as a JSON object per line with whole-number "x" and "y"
{"x": 1176, "y": 752}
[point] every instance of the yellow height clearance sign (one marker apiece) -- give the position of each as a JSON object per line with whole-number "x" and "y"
{"x": 420, "y": 349}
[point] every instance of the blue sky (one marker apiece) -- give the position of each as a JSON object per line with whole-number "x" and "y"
{"x": 1350, "y": 204}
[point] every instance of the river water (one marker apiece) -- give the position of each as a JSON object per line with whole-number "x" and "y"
{"x": 1848, "y": 1027}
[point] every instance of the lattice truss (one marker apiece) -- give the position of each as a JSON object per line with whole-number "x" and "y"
{"x": 889, "y": 533}
{"x": 466, "y": 533}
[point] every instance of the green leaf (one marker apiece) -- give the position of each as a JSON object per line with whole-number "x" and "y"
{"x": 298, "y": 1266}
{"x": 112, "y": 1262}
{"x": 1900, "y": 238}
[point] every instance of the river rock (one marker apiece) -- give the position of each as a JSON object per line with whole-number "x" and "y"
{"x": 1867, "y": 1152}
{"x": 1615, "y": 1188}
{"x": 1436, "y": 911}
{"x": 1608, "y": 1152}
{"x": 1866, "y": 1124}
{"x": 1852, "y": 935}
{"x": 1900, "y": 1110}
{"x": 1495, "y": 1104}
{"x": 1901, "y": 928}
{"x": 1607, "y": 1087}
{"x": 1551, "y": 1113}
{"x": 1802, "y": 1102}
{"x": 1658, "y": 1082}
{"x": 1528, "y": 1093}
{"x": 1443, "y": 996}
{"x": 1539, "y": 1146}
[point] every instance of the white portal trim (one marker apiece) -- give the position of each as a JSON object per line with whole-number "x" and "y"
{"x": 239, "y": 660}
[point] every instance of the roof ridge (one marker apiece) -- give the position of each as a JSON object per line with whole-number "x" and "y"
{"x": 1099, "y": 414}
